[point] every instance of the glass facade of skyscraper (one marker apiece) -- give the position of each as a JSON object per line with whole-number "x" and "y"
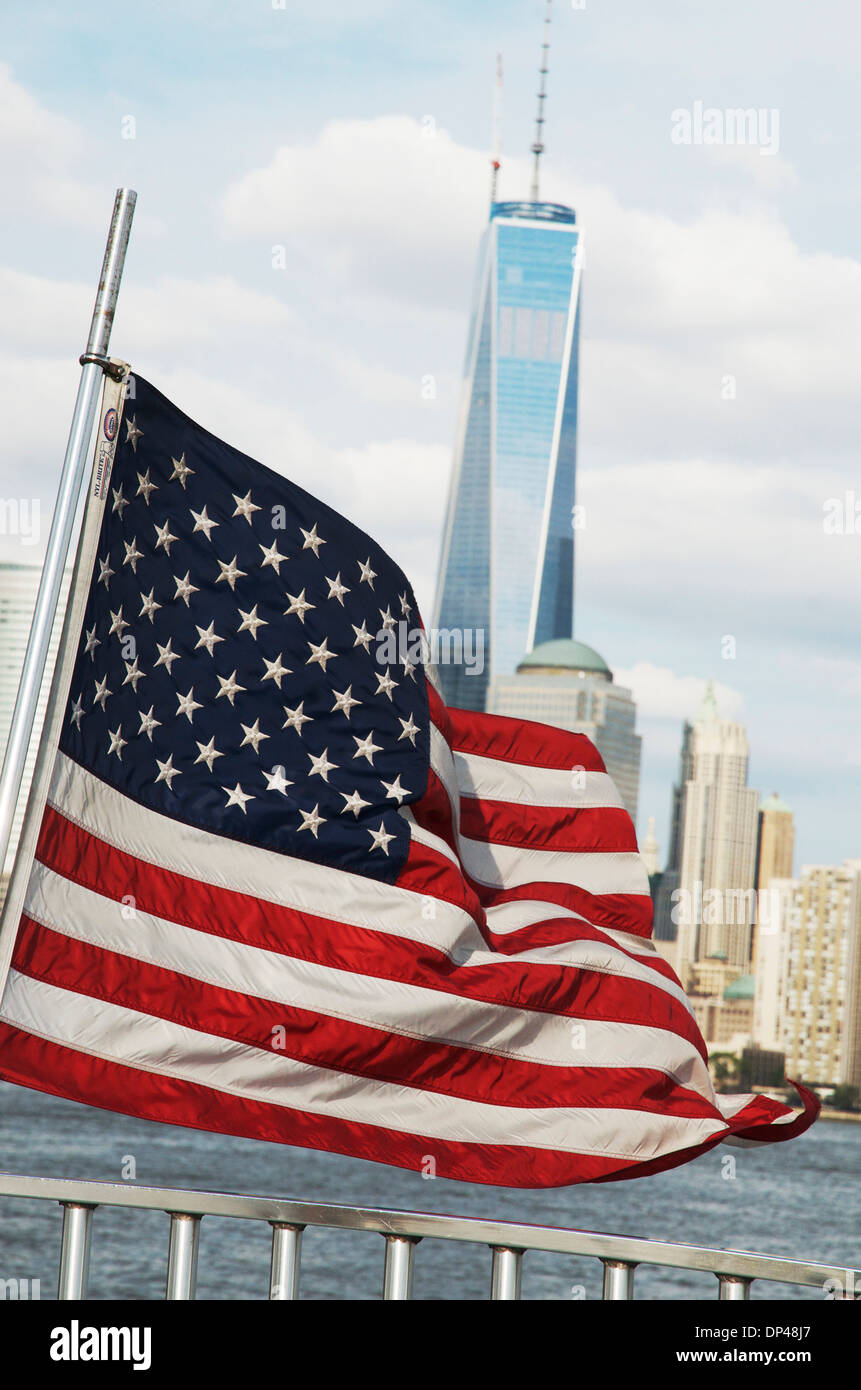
{"x": 508, "y": 548}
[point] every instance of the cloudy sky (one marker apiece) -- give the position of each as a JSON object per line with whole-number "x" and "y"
{"x": 313, "y": 181}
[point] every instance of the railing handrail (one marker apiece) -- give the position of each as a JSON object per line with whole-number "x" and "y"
{"x": 416, "y": 1225}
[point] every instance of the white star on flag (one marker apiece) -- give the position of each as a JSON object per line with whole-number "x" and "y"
{"x": 208, "y": 753}
{"x": 312, "y": 540}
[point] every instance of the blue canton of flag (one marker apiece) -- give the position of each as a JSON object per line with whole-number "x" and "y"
{"x": 228, "y": 672}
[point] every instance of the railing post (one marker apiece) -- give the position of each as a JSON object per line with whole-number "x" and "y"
{"x": 618, "y": 1280}
{"x": 75, "y": 1250}
{"x": 286, "y": 1253}
{"x": 506, "y": 1272}
{"x": 182, "y": 1257}
{"x": 398, "y": 1273}
{"x": 733, "y": 1286}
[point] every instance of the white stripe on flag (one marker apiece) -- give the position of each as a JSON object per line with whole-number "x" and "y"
{"x": 513, "y": 916}
{"x": 512, "y": 866}
{"x": 443, "y": 764}
{"x": 491, "y": 779}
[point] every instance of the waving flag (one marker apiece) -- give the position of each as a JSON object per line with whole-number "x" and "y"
{"x": 281, "y": 891}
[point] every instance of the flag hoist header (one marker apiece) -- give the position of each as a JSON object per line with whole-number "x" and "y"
{"x": 270, "y": 885}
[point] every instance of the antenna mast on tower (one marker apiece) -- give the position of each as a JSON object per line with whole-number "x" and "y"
{"x": 496, "y": 157}
{"x": 538, "y": 145}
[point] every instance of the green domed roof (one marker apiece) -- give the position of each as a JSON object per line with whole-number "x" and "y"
{"x": 742, "y": 988}
{"x": 774, "y": 803}
{"x": 564, "y": 654}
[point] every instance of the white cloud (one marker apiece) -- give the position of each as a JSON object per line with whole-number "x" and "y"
{"x": 396, "y": 490}
{"x": 732, "y": 550}
{"x": 771, "y": 172}
{"x": 54, "y": 315}
{"x": 38, "y": 152}
{"x": 376, "y": 194}
{"x": 388, "y": 202}
{"x": 194, "y": 311}
{"x": 662, "y": 694}
{"x": 379, "y": 385}
{"x": 677, "y": 314}
{"x": 28, "y": 131}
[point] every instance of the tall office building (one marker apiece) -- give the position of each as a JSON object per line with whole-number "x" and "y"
{"x": 665, "y": 928}
{"x": 18, "y": 587}
{"x": 775, "y": 847}
{"x": 813, "y": 953}
{"x": 718, "y": 818}
{"x": 649, "y": 849}
{"x": 774, "y": 912}
{"x": 775, "y": 841}
{"x": 568, "y": 684}
{"x": 507, "y": 563}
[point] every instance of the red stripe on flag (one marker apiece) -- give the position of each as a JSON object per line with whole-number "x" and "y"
{"x": 627, "y": 912}
{"x": 433, "y": 811}
{"x": 522, "y": 741}
{"x": 431, "y": 874}
{"x": 584, "y": 831}
{"x": 439, "y": 712}
{"x": 758, "y": 1119}
{"x": 561, "y": 931}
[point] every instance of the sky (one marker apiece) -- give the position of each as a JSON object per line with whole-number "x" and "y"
{"x": 312, "y": 181}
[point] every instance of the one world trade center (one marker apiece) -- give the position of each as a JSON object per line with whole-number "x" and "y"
{"x": 506, "y": 574}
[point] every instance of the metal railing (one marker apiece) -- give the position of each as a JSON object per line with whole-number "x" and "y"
{"x": 735, "y": 1270}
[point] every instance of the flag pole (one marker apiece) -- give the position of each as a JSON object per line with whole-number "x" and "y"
{"x": 95, "y": 363}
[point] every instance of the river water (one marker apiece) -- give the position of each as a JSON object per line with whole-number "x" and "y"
{"x": 800, "y": 1199}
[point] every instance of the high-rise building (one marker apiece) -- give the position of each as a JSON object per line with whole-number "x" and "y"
{"x": 665, "y": 927}
{"x": 718, "y": 818}
{"x": 18, "y": 588}
{"x": 775, "y": 846}
{"x": 816, "y": 944}
{"x": 649, "y": 849}
{"x": 507, "y": 562}
{"x": 773, "y": 910}
{"x": 725, "y": 1018}
{"x": 775, "y": 841}
{"x": 568, "y": 684}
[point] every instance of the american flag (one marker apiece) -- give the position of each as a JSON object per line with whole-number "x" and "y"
{"x": 281, "y": 891}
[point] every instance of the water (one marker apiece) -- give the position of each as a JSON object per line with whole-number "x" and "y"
{"x": 800, "y": 1199}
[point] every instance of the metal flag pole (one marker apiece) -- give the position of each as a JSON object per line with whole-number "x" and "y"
{"x": 94, "y": 364}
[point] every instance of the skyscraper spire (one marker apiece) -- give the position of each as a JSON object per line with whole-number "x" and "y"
{"x": 496, "y": 157}
{"x": 708, "y": 708}
{"x": 538, "y": 144}
{"x": 649, "y": 849}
